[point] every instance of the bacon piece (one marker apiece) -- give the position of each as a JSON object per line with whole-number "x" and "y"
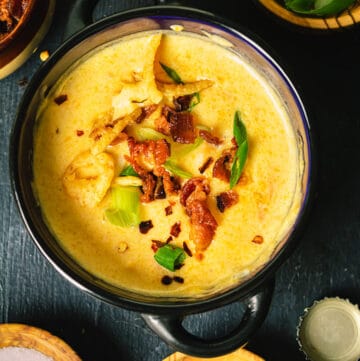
{"x": 181, "y": 127}
{"x": 146, "y": 112}
{"x": 148, "y": 187}
{"x": 222, "y": 168}
{"x": 203, "y": 224}
{"x": 145, "y": 226}
{"x": 205, "y": 166}
{"x": 175, "y": 229}
{"x": 149, "y": 154}
{"x": 210, "y": 138}
{"x": 61, "y": 99}
{"x": 183, "y": 102}
{"x": 226, "y": 199}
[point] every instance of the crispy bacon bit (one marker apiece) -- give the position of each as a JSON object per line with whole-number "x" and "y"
{"x": 79, "y": 133}
{"x": 182, "y": 103}
{"x": 155, "y": 244}
{"x": 187, "y": 249}
{"x": 203, "y": 224}
{"x": 226, "y": 199}
{"x": 145, "y": 226}
{"x": 180, "y": 125}
{"x": 258, "y": 239}
{"x": 159, "y": 192}
{"x": 145, "y": 112}
{"x": 210, "y": 138}
{"x": 168, "y": 210}
{"x": 162, "y": 125}
{"x": 175, "y": 229}
{"x": 206, "y": 165}
{"x": 61, "y": 99}
{"x": 168, "y": 240}
{"x": 178, "y": 279}
{"x": 148, "y": 187}
{"x": 222, "y": 168}
{"x": 166, "y": 280}
{"x": 149, "y": 154}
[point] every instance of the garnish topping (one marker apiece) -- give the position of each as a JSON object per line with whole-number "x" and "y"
{"x": 172, "y": 74}
{"x": 125, "y": 206}
{"x": 61, "y": 99}
{"x": 318, "y": 7}
{"x": 170, "y": 257}
{"x": 145, "y": 226}
{"x": 241, "y": 152}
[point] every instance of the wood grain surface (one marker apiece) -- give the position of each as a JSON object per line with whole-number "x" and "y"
{"x": 325, "y": 68}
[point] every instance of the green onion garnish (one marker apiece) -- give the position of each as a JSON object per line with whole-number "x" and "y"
{"x": 144, "y": 133}
{"x": 180, "y": 150}
{"x": 175, "y": 169}
{"x": 240, "y": 135}
{"x": 170, "y": 257}
{"x": 172, "y": 74}
{"x": 195, "y": 100}
{"x": 128, "y": 171}
{"x": 125, "y": 206}
{"x": 318, "y": 7}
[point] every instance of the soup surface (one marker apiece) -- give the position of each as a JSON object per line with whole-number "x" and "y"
{"x": 161, "y": 105}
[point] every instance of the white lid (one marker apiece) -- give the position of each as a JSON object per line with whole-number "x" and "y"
{"x": 330, "y": 331}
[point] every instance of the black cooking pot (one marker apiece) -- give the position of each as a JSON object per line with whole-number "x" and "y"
{"x": 164, "y": 315}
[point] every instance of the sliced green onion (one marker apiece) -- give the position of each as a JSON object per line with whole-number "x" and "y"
{"x": 172, "y": 74}
{"x": 240, "y": 135}
{"x": 125, "y": 206}
{"x": 175, "y": 169}
{"x": 170, "y": 257}
{"x": 180, "y": 150}
{"x": 128, "y": 171}
{"x": 144, "y": 133}
{"x": 195, "y": 100}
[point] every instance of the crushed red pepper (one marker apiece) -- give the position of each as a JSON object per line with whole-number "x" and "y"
{"x": 258, "y": 239}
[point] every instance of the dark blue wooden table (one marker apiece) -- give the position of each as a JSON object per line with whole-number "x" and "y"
{"x": 325, "y": 69}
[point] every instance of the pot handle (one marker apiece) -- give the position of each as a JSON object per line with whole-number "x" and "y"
{"x": 170, "y": 329}
{"x": 80, "y": 15}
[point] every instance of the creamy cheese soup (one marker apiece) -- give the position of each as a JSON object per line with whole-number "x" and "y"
{"x": 163, "y": 104}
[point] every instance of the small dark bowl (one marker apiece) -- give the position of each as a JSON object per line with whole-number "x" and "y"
{"x": 163, "y": 315}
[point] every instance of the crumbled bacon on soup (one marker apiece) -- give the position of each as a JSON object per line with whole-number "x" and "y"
{"x": 146, "y": 112}
{"x": 206, "y": 165}
{"x": 226, "y": 199}
{"x": 145, "y": 226}
{"x": 183, "y": 102}
{"x": 209, "y": 138}
{"x": 61, "y": 99}
{"x": 187, "y": 249}
{"x": 79, "y": 132}
{"x": 175, "y": 229}
{"x": 258, "y": 239}
{"x": 203, "y": 225}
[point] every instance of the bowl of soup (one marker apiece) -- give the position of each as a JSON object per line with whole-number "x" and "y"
{"x": 161, "y": 161}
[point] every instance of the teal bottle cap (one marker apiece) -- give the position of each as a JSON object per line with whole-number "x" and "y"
{"x": 329, "y": 330}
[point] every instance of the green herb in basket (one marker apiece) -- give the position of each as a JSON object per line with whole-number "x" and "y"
{"x": 318, "y": 7}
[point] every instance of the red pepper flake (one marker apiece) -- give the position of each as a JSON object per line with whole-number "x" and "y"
{"x": 175, "y": 229}
{"x": 155, "y": 244}
{"x": 79, "y": 133}
{"x": 145, "y": 226}
{"x": 168, "y": 210}
{"x": 199, "y": 256}
{"x": 258, "y": 240}
{"x": 61, "y": 99}
{"x": 206, "y": 165}
{"x": 178, "y": 279}
{"x": 166, "y": 280}
{"x": 187, "y": 249}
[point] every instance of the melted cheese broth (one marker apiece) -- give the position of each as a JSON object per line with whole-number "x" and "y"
{"x": 268, "y": 201}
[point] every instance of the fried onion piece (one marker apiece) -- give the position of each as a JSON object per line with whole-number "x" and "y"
{"x": 203, "y": 225}
{"x": 143, "y": 91}
{"x": 88, "y": 177}
{"x": 105, "y": 129}
{"x": 172, "y": 90}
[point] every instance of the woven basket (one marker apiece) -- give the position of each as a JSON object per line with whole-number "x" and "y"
{"x": 18, "y": 335}
{"x": 347, "y": 18}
